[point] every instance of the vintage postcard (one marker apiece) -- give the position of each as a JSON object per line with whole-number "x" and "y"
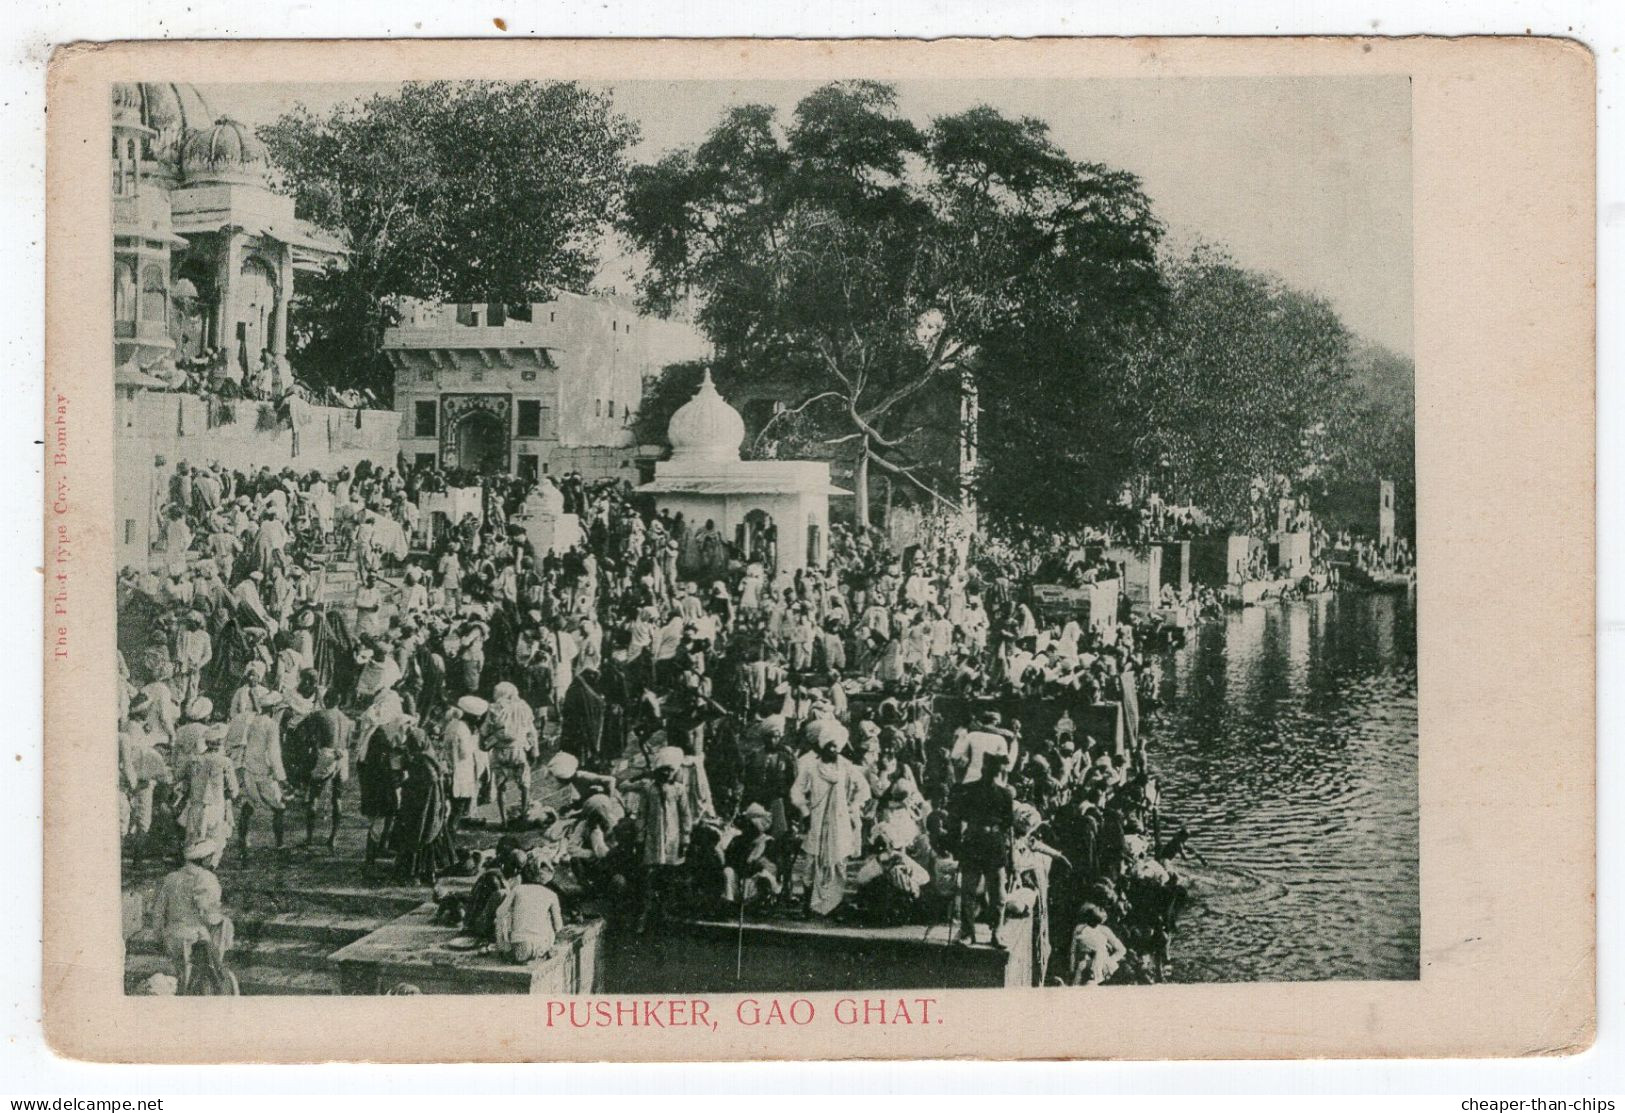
{"x": 733, "y": 549}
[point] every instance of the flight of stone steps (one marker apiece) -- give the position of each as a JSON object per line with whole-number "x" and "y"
{"x": 284, "y": 951}
{"x": 340, "y": 579}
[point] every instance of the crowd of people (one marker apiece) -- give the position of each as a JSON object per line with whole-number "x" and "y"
{"x": 217, "y": 373}
{"x": 1368, "y": 555}
{"x": 662, "y": 722}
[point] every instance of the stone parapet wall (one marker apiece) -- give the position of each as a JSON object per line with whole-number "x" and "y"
{"x": 597, "y": 462}
{"x": 247, "y": 434}
{"x": 553, "y": 459}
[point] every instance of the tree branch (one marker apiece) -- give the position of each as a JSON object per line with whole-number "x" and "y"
{"x": 792, "y": 412}
{"x": 908, "y": 474}
{"x": 874, "y": 434}
{"x": 834, "y": 365}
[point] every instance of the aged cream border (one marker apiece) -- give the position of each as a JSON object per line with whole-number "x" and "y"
{"x": 1504, "y": 166}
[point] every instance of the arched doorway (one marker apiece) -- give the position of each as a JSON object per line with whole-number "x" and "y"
{"x": 757, "y": 539}
{"x": 255, "y": 297}
{"x": 481, "y": 445}
{"x": 192, "y": 309}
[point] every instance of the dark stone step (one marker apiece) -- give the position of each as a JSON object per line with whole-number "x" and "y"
{"x": 335, "y": 928}
{"x": 385, "y": 902}
{"x": 276, "y": 981}
{"x": 139, "y": 967}
{"x": 263, "y": 967}
{"x": 287, "y": 954}
{"x": 274, "y": 950}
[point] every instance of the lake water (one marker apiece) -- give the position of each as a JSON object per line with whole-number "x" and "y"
{"x": 1287, "y": 744}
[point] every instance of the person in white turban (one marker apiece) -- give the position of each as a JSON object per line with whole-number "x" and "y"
{"x": 831, "y": 792}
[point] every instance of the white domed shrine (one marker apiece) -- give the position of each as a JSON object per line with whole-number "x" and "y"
{"x": 706, "y": 428}
{"x": 775, "y": 512}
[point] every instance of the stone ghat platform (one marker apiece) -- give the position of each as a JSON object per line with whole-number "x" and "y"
{"x": 284, "y": 935}
{"x": 1250, "y": 593}
{"x": 415, "y": 951}
{"x": 356, "y": 940}
{"x": 780, "y": 956}
{"x": 361, "y": 941}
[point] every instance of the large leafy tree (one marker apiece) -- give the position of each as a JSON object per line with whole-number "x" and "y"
{"x": 452, "y": 191}
{"x": 874, "y": 260}
{"x": 1057, "y": 449}
{"x": 1371, "y": 438}
{"x": 1245, "y": 381}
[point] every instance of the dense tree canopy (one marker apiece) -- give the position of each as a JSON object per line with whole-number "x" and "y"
{"x": 879, "y": 264}
{"x": 1237, "y": 379}
{"x": 452, "y": 191}
{"x": 1243, "y": 381}
{"x": 1372, "y": 438}
{"x": 873, "y": 259}
{"x": 1058, "y": 450}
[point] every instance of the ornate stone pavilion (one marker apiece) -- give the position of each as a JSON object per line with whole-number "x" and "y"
{"x": 774, "y": 510}
{"x": 204, "y": 253}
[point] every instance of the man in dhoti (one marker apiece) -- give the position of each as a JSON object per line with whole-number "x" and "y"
{"x": 211, "y": 786}
{"x": 529, "y": 918}
{"x": 831, "y": 793}
{"x": 379, "y": 674}
{"x": 562, "y": 649}
{"x": 1096, "y": 951}
{"x": 666, "y": 822}
{"x": 175, "y": 539}
{"x": 509, "y": 733}
{"x": 325, "y": 735}
{"x": 460, "y": 744}
{"x": 366, "y": 543}
{"x": 141, "y": 770}
{"x": 262, "y": 773}
{"x": 251, "y": 609}
{"x": 193, "y": 651}
{"x": 321, "y": 501}
{"x": 270, "y": 542}
{"x": 206, "y": 492}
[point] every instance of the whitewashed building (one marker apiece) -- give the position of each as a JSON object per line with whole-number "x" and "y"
{"x": 204, "y": 253}
{"x": 540, "y": 389}
{"x": 748, "y": 501}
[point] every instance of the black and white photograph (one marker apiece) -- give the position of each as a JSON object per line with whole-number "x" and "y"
{"x": 654, "y": 537}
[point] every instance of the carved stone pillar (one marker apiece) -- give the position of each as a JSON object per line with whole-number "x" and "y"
{"x": 225, "y": 285}
{"x": 284, "y": 294}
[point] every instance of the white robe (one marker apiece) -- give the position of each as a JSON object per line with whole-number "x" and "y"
{"x": 463, "y": 749}
{"x": 832, "y": 794}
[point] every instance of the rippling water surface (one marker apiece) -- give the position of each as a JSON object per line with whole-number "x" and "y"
{"x": 1287, "y": 744}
